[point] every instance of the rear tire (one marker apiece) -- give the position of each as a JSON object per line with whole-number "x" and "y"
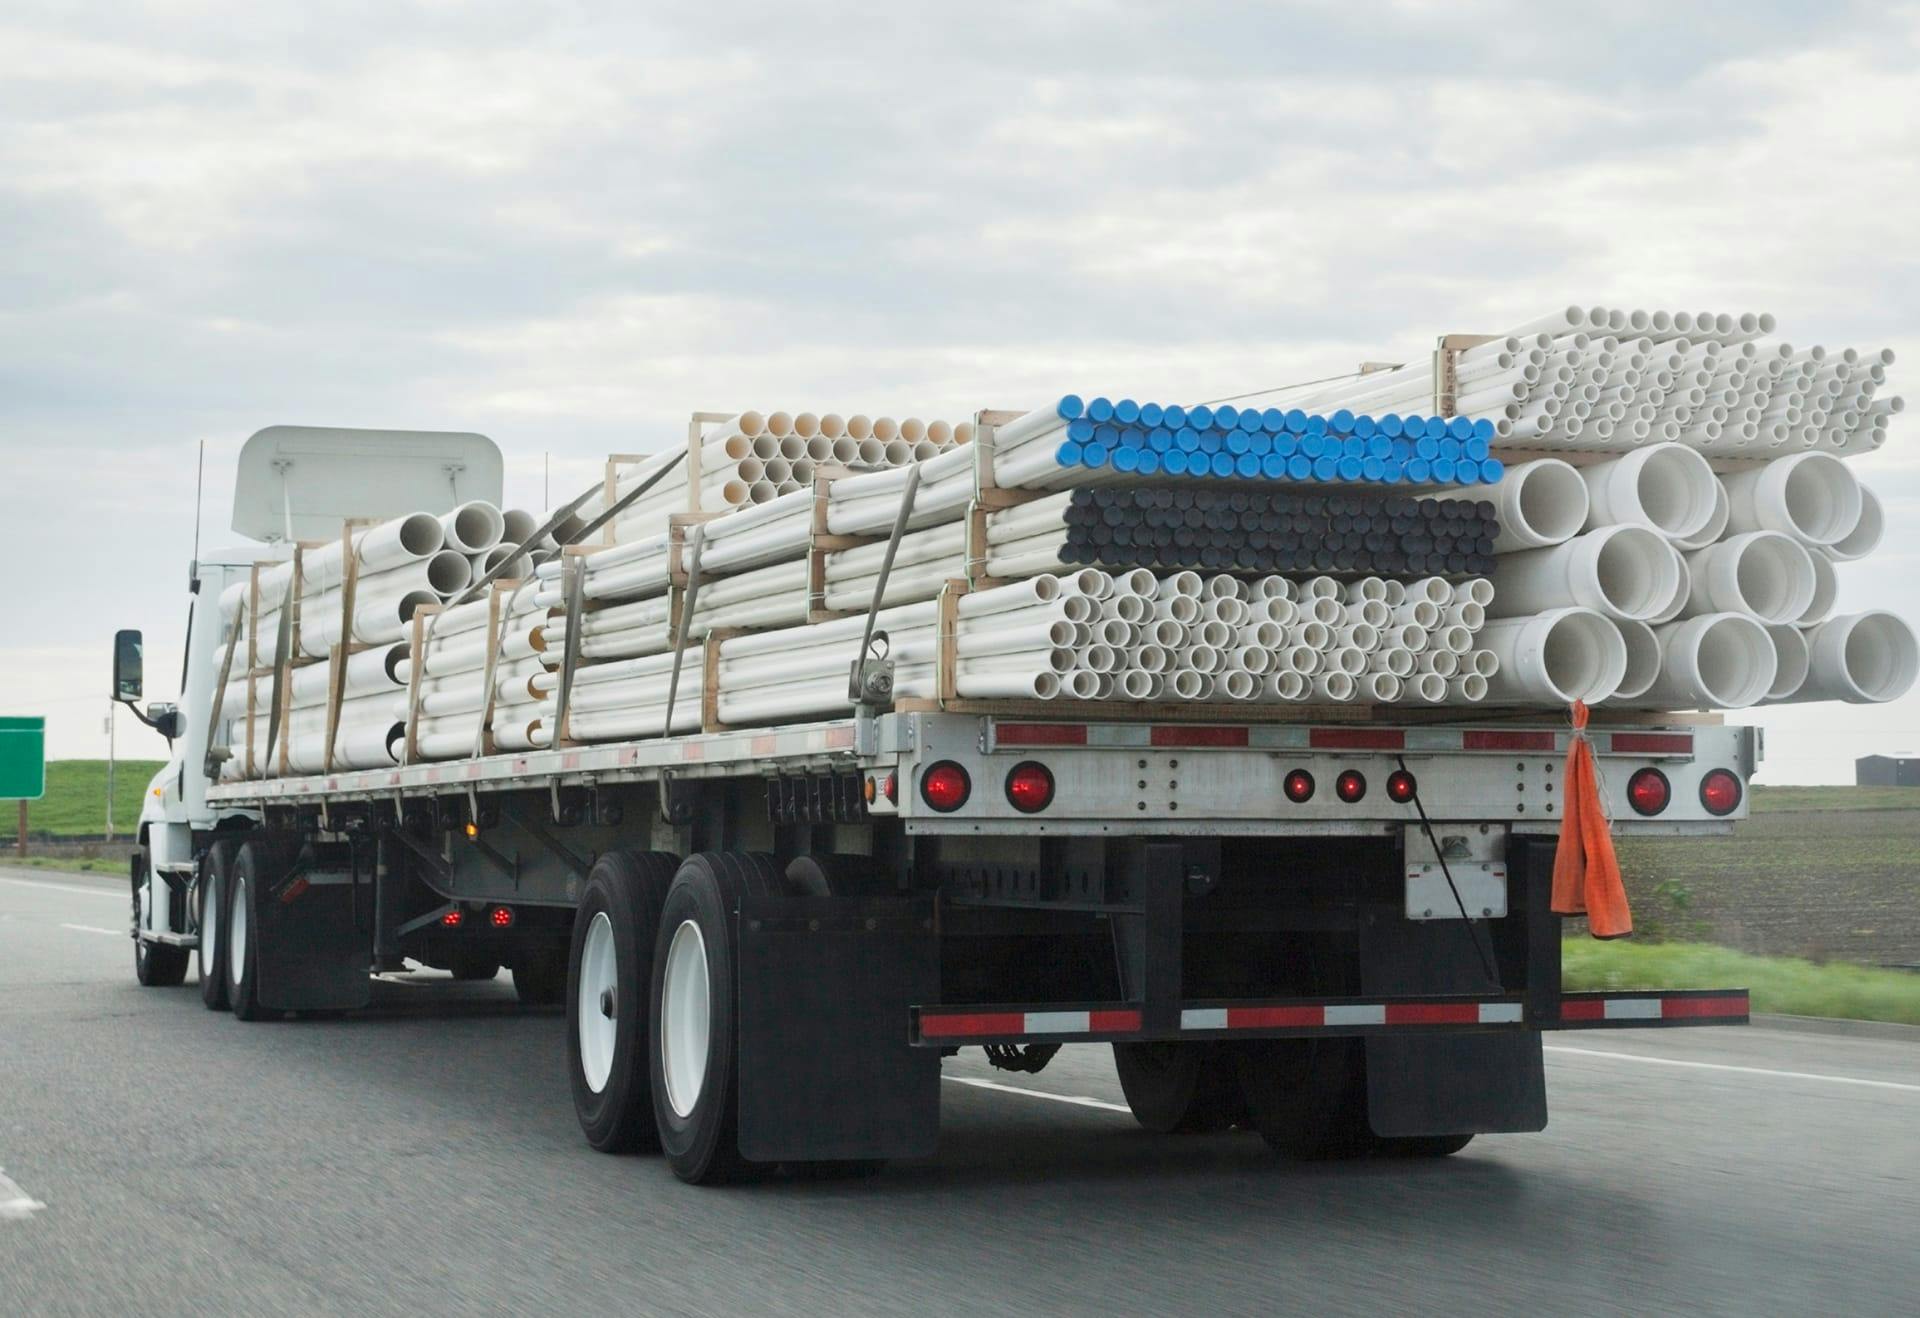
{"x": 695, "y": 1052}
{"x": 1174, "y": 1088}
{"x": 605, "y": 989}
{"x": 214, "y": 879}
{"x": 1308, "y": 1097}
{"x": 474, "y": 969}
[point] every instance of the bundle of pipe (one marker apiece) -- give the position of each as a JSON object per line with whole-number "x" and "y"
{"x": 1077, "y": 443}
{"x": 1243, "y": 531}
{"x": 454, "y": 660}
{"x": 371, "y": 680}
{"x": 754, "y": 458}
{"x": 1613, "y": 379}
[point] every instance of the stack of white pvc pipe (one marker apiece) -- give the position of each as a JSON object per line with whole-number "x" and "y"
{"x": 1610, "y": 379}
{"x": 1648, "y": 580}
{"x": 454, "y": 663}
{"x": 371, "y": 721}
{"x": 754, "y": 458}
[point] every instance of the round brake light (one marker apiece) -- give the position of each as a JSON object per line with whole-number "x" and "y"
{"x": 1401, "y": 786}
{"x": 945, "y": 786}
{"x": 1648, "y": 792}
{"x": 892, "y": 788}
{"x": 1720, "y": 792}
{"x": 501, "y": 916}
{"x": 1350, "y": 786}
{"x": 1030, "y": 787}
{"x": 1298, "y": 786}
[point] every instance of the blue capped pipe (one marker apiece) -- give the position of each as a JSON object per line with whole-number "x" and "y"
{"x": 1260, "y": 444}
{"x": 1107, "y": 435}
{"x": 1419, "y": 471}
{"x": 1436, "y": 427}
{"x": 1273, "y": 467}
{"x": 1353, "y": 447}
{"x": 1476, "y": 448}
{"x": 1342, "y": 421}
{"x": 1187, "y": 439}
{"x": 1297, "y": 421}
{"x": 1069, "y": 407}
{"x": 1316, "y": 425}
{"x": 1273, "y": 420}
{"x": 1443, "y": 470}
{"x": 1095, "y": 455}
{"x": 1373, "y": 468}
{"x": 1212, "y": 441}
{"x": 1484, "y": 429}
{"x": 1326, "y": 468}
{"x": 1349, "y": 468}
{"x": 1426, "y": 447}
{"x": 1174, "y": 416}
{"x": 1379, "y": 446}
{"x": 1313, "y": 446}
{"x": 1149, "y": 462}
{"x": 1250, "y": 421}
{"x": 1127, "y": 459}
{"x": 1391, "y": 425}
{"x": 1450, "y": 448}
{"x": 1247, "y": 465}
{"x": 1492, "y": 470}
{"x": 1226, "y": 416}
{"x": 1175, "y": 462}
{"x": 1068, "y": 454}
{"x": 1127, "y": 410}
{"x": 1100, "y": 409}
{"x": 1200, "y": 417}
{"x": 1460, "y": 428}
{"x": 1299, "y": 467}
{"x": 1286, "y": 443}
{"x": 1222, "y": 464}
{"x": 1152, "y": 414}
{"x": 1365, "y": 427}
{"x": 1080, "y": 430}
{"x": 1238, "y": 442}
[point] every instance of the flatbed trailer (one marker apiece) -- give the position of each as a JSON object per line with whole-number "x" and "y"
{"x": 1331, "y": 926}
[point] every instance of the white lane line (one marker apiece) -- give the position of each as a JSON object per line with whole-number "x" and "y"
{"x": 1073, "y": 1099}
{"x": 96, "y": 929}
{"x": 15, "y": 1203}
{"x": 1738, "y": 1070}
{"x": 74, "y": 889}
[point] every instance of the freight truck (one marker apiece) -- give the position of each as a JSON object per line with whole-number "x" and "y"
{"x": 1328, "y": 924}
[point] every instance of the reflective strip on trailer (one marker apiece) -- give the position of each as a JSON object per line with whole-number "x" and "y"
{"x": 1694, "y": 1007}
{"x": 1347, "y": 737}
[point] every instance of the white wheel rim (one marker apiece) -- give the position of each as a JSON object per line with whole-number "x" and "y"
{"x": 685, "y": 1018}
{"x": 210, "y": 927}
{"x": 599, "y": 1006}
{"x": 237, "y": 932}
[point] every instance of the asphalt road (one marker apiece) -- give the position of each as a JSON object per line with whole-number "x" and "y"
{"x": 423, "y": 1158}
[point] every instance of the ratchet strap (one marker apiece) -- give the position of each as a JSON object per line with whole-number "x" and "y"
{"x": 1586, "y": 875}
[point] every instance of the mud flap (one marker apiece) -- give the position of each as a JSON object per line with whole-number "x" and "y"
{"x": 826, "y": 1070}
{"x": 1459, "y": 1084}
{"x": 315, "y": 947}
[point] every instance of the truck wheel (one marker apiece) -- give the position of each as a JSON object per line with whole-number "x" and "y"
{"x": 1420, "y": 1146}
{"x": 695, "y": 1056}
{"x": 474, "y": 968}
{"x": 261, "y": 862}
{"x": 155, "y": 965}
{"x": 215, "y": 874}
{"x": 1180, "y": 1087}
{"x": 608, "y": 971}
{"x": 1308, "y": 1097}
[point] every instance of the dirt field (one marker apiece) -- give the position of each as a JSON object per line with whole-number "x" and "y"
{"x": 1821, "y": 872}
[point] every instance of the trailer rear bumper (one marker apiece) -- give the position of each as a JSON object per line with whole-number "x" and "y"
{"x": 1119, "y": 1022}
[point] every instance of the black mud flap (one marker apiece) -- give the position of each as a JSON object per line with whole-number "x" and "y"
{"x": 314, "y": 949}
{"x": 826, "y": 1072}
{"x": 1459, "y": 1084}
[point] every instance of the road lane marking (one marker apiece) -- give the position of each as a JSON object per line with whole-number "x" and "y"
{"x": 96, "y": 929}
{"x": 74, "y": 889}
{"x": 15, "y": 1203}
{"x": 1738, "y": 1070}
{"x": 1073, "y": 1099}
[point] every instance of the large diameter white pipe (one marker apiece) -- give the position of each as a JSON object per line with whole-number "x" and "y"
{"x": 1555, "y": 658}
{"x": 1643, "y": 661}
{"x": 473, "y": 528}
{"x": 1826, "y": 592}
{"x": 1763, "y": 573}
{"x": 1622, "y": 571}
{"x": 1715, "y": 661}
{"x": 1668, "y": 487}
{"x": 1862, "y": 658}
{"x": 1866, "y": 534}
{"x": 1794, "y": 658}
{"x": 1812, "y": 497}
{"x": 1537, "y": 504}
{"x": 1716, "y": 526}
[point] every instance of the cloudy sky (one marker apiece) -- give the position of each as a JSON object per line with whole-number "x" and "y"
{"x": 568, "y": 225}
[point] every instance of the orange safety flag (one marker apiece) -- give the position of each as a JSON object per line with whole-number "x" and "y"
{"x": 1586, "y": 876}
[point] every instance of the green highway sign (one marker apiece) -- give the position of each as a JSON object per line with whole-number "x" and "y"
{"x": 23, "y": 759}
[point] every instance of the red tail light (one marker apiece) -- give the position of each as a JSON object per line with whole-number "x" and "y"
{"x": 452, "y": 919}
{"x": 1401, "y": 787}
{"x": 1030, "y": 787}
{"x": 1298, "y": 786}
{"x": 502, "y": 917}
{"x": 1350, "y": 786}
{"x": 1720, "y": 792}
{"x": 892, "y": 789}
{"x": 1648, "y": 792}
{"x": 945, "y": 786}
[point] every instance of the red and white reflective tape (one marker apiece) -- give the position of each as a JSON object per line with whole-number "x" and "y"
{"x": 1004, "y": 1024}
{"x": 1728, "y": 1006}
{"x": 1346, "y": 1015}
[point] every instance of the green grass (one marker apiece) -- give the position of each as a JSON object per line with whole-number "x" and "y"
{"x": 115, "y": 865}
{"x": 76, "y": 801}
{"x": 1783, "y": 985}
{"x": 1771, "y": 800}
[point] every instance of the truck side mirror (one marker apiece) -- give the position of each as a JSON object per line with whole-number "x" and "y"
{"x": 128, "y": 676}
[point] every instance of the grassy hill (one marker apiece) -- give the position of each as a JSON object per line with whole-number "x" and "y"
{"x": 76, "y": 801}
